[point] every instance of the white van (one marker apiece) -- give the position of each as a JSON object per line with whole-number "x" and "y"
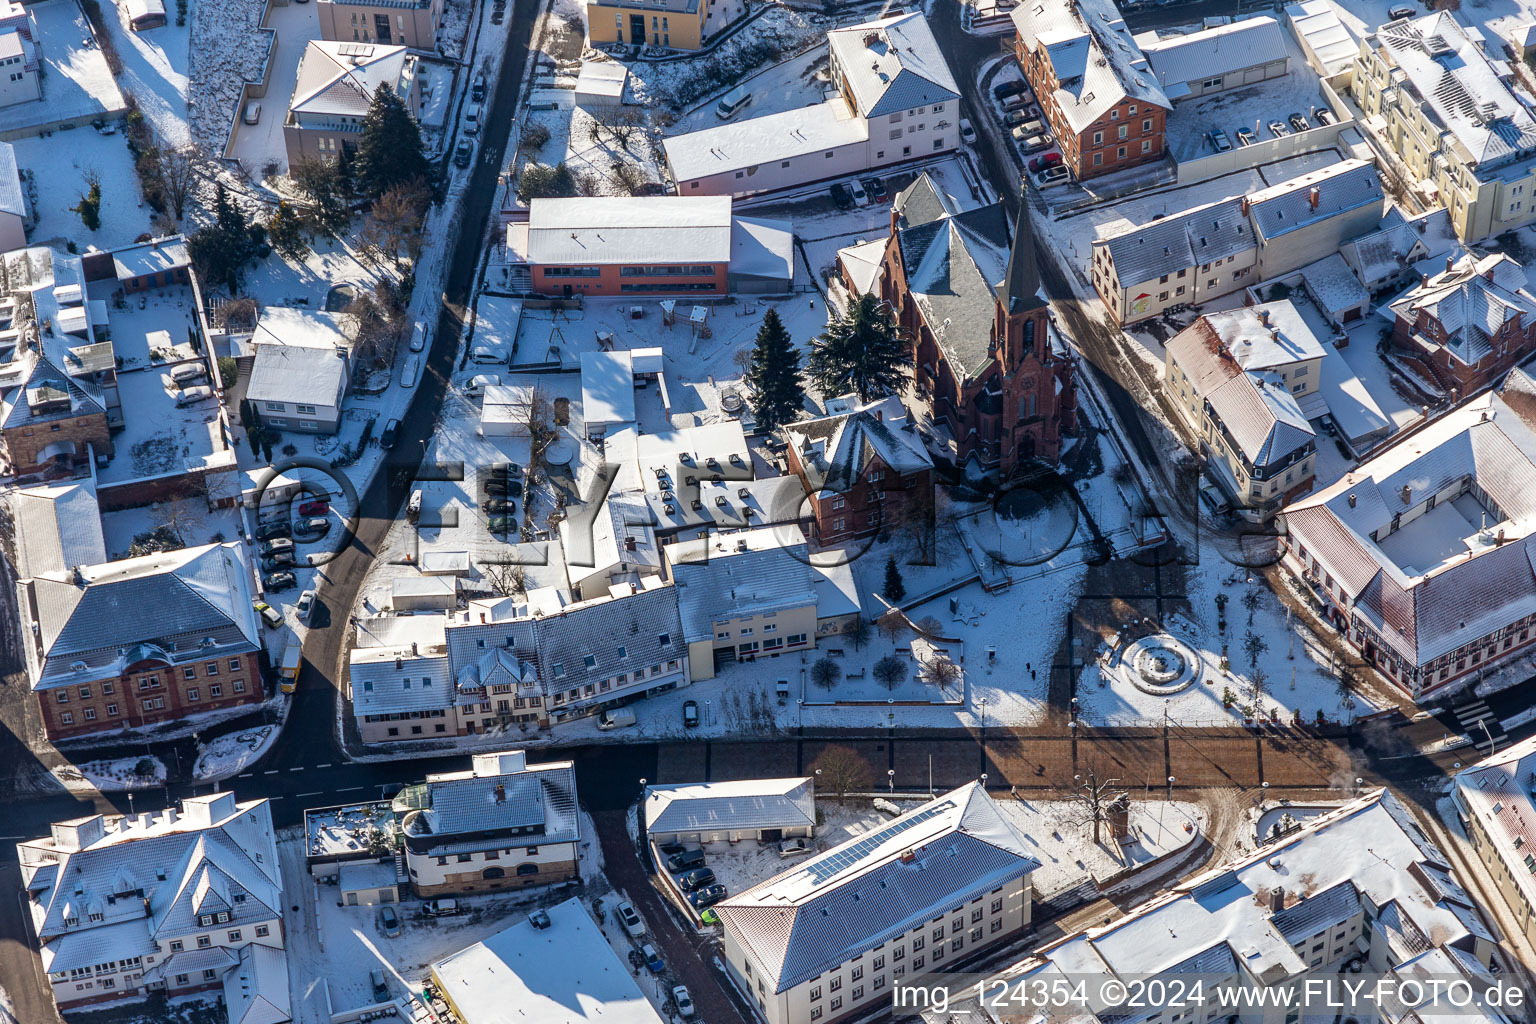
{"x": 193, "y": 395}
{"x": 419, "y": 338}
{"x": 478, "y": 383}
{"x": 731, "y": 103}
{"x": 618, "y": 718}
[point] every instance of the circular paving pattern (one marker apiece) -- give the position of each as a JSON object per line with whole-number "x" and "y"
{"x": 1161, "y": 665}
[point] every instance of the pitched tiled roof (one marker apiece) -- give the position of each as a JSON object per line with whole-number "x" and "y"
{"x": 485, "y": 800}
{"x": 337, "y": 78}
{"x": 1097, "y": 62}
{"x": 749, "y": 803}
{"x": 1308, "y": 198}
{"x": 715, "y": 580}
{"x": 1203, "y": 235}
{"x": 838, "y": 450}
{"x": 1472, "y": 301}
{"x": 1262, "y": 417}
{"x": 893, "y": 65}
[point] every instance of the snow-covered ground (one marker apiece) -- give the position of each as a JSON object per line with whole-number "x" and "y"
{"x": 259, "y": 147}
{"x": 58, "y": 165}
{"x": 198, "y": 524}
{"x": 155, "y": 70}
{"x": 111, "y": 776}
{"x": 229, "y": 49}
{"x": 227, "y": 755}
{"x": 690, "y": 81}
{"x": 76, "y": 80}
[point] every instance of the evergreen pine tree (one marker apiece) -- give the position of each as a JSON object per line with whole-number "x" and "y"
{"x": 774, "y": 376}
{"x": 285, "y": 230}
{"x": 390, "y": 151}
{"x": 219, "y": 249}
{"x": 89, "y": 207}
{"x": 863, "y": 350}
{"x": 895, "y": 589}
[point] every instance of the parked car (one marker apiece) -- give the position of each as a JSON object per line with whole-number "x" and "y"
{"x": 1220, "y": 141}
{"x": 683, "y": 1000}
{"x": 500, "y": 487}
{"x": 380, "y": 987}
{"x": 707, "y": 896}
{"x": 1051, "y": 175}
{"x": 1278, "y": 129}
{"x": 498, "y": 15}
{"x": 276, "y": 528}
{"x": 276, "y": 544}
{"x": 1323, "y": 116}
{"x": 280, "y": 581}
{"x": 312, "y": 529}
{"x": 1018, "y": 102}
{"x": 1044, "y": 160}
{"x": 462, "y": 153}
{"x": 479, "y": 382}
{"x": 696, "y": 878}
{"x": 306, "y": 606}
{"x": 188, "y": 373}
{"x": 253, "y": 112}
{"x": 876, "y": 189}
{"x": 1033, "y": 144}
{"x": 1401, "y": 11}
{"x": 1298, "y": 121}
{"x": 1002, "y": 90}
{"x": 193, "y": 395}
{"x": 271, "y": 616}
{"x": 499, "y": 506}
{"x": 685, "y": 861}
{"x": 280, "y": 560}
{"x": 616, "y": 718}
{"x": 472, "y": 119}
{"x": 967, "y": 133}
{"x": 440, "y": 908}
{"x": 652, "y": 958}
{"x": 1245, "y": 137}
{"x": 860, "y": 197}
{"x": 690, "y": 713}
{"x": 793, "y": 847}
{"x": 391, "y": 431}
{"x": 630, "y": 919}
{"x": 477, "y": 90}
{"x": 842, "y": 195}
{"x": 419, "y": 338}
{"x": 389, "y": 921}
{"x": 315, "y": 507}
{"x": 1014, "y": 118}
{"x": 501, "y": 524}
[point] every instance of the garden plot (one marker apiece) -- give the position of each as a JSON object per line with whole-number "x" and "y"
{"x": 229, "y": 49}
{"x": 55, "y": 172}
{"x": 683, "y": 82}
{"x": 260, "y": 147}
{"x": 229, "y": 754}
{"x": 76, "y": 80}
{"x": 156, "y": 65}
{"x": 113, "y": 776}
{"x": 1062, "y": 839}
{"x": 187, "y": 522}
{"x": 159, "y": 437}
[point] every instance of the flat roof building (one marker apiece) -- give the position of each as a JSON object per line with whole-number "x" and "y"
{"x": 705, "y": 812}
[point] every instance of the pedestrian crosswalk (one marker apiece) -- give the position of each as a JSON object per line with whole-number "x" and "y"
{"x": 1481, "y": 725}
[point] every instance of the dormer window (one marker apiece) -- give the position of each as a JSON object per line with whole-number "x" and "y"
{"x": 589, "y": 661}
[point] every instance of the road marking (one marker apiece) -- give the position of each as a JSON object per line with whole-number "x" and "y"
{"x": 322, "y": 766}
{"x": 315, "y": 793}
{"x": 245, "y": 775}
{"x": 295, "y": 769}
{"x": 272, "y": 772}
{"x": 348, "y": 789}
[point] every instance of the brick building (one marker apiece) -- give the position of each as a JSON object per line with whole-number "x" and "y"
{"x": 997, "y": 380}
{"x": 141, "y": 640}
{"x": 1470, "y": 323}
{"x": 862, "y": 466}
{"x": 1094, "y": 85}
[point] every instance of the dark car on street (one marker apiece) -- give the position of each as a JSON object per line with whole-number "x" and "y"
{"x": 842, "y": 195}
{"x": 1002, "y": 90}
{"x": 707, "y": 896}
{"x": 280, "y": 581}
{"x": 697, "y": 878}
{"x": 276, "y": 528}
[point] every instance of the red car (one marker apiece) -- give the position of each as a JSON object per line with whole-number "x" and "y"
{"x": 1045, "y": 160}
{"x": 314, "y": 508}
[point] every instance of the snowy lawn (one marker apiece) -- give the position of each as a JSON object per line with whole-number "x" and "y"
{"x": 1063, "y": 840}
{"x": 689, "y": 81}
{"x": 76, "y": 80}
{"x": 111, "y": 776}
{"x": 800, "y": 81}
{"x": 57, "y": 167}
{"x": 190, "y": 517}
{"x": 156, "y": 63}
{"x": 227, "y": 755}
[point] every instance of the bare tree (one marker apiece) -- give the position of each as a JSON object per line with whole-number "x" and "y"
{"x": 743, "y": 359}
{"x": 857, "y": 633}
{"x": 942, "y": 672}
{"x": 509, "y": 578}
{"x": 1256, "y": 683}
{"x": 628, "y": 178}
{"x": 178, "y": 176}
{"x": 1254, "y": 646}
{"x": 1090, "y": 798}
{"x": 891, "y": 624}
{"x": 843, "y": 769}
{"x": 395, "y": 222}
{"x": 378, "y": 322}
{"x": 1252, "y": 597}
{"x": 184, "y": 518}
{"x": 916, "y": 520}
{"x": 889, "y": 671}
{"x": 622, "y": 125}
{"x": 825, "y": 673}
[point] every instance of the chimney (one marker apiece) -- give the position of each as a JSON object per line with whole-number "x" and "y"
{"x": 501, "y": 793}
{"x": 907, "y": 856}
{"x": 1263, "y": 316}
{"x": 629, "y": 543}
{"x": 399, "y": 663}
{"x": 170, "y": 815}
{"x": 1277, "y": 899}
{"x": 1407, "y": 495}
{"x": 482, "y": 617}
{"x": 1314, "y": 197}
{"x": 1450, "y": 261}
{"x": 1488, "y": 274}
{"x": 1499, "y": 538}
{"x": 80, "y": 580}
{"x": 414, "y": 650}
{"x": 1351, "y": 501}
{"x": 880, "y": 414}
{"x": 1423, "y": 280}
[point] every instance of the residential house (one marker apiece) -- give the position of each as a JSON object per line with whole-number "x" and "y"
{"x": 1469, "y": 323}
{"x": 161, "y": 903}
{"x": 301, "y": 370}
{"x": 675, "y": 24}
{"x": 896, "y": 103}
{"x": 1201, "y": 254}
{"x": 403, "y": 689}
{"x": 1094, "y": 85}
{"x": 58, "y": 526}
{"x": 1434, "y": 99}
{"x": 13, "y": 198}
{"x": 766, "y": 810}
{"x": 1495, "y": 806}
{"x": 1215, "y": 59}
{"x": 1420, "y": 556}
{"x": 1238, "y": 379}
{"x": 830, "y": 937}
{"x": 1385, "y": 260}
{"x": 1356, "y": 884}
{"x": 504, "y": 824}
{"x": 144, "y": 14}
{"x": 141, "y": 640}
{"x": 21, "y": 58}
{"x": 334, "y": 88}
{"x": 412, "y": 24}
{"x": 997, "y": 379}
{"x": 863, "y": 466}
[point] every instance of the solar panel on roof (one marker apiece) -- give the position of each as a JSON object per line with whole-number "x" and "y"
{"x": 838, "y": 861}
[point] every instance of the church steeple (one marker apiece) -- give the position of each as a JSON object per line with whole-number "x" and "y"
{"x": 1020, "y": 288}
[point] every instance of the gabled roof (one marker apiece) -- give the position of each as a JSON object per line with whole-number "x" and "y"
{"x": 58, "y": 526}
{"x": 749, "y": 572}
{"x": 631, "y": 229}
{"x": 837, "y": 450}
{"x": 1097, "y": 61}
{"x": 1261, "y": 416}
{"x": 892, "y": 65}
{"x": 12, "y": 198}
{"x": 500, "y": 793}
{"x": 1316, "y": 196}
{"x": 256, "y": 992}
{"x": 1193, "y": 238}
{"x": 339, "y": 79}
{"x": 1472, "y": 301}
{"x": 745, "y": 804}
{"x": 388, "y": 680}
{"x": 876, "y": 886}
{"x": 1216, "y": 51}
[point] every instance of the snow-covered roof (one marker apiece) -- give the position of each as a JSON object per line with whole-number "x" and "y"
{"x": 750, "y": 141}
{"x": 892, "y": 65}
{"x": 607, "y": 388}
{"x": 1329, "y": 42}
{"x": 1458, "y": 88}
{"x": 58, "y": 526}
{"x": 12, "y": 198}
{"x": 1214, "y": 52}
{"x": 762, "y": 249}
{"x": 305, "y": 328}
{"x": 1334, "y": 285}
{"x": 837, "y": 450}
{"x": 1266, "y": 336}
{"x": 388, "y": 680}
{"x": 862, "y": 262}
{"x": 737, "y": 575}
{"x": 628, "y": 230}
{"x": 1398, "y": 243}
{"x": 135, "y": 609}
{"x": 1452, "y": 574}
{"x": 300, "y": 357}
{"x": 501, "y": 792}
{"x": 875, "y": 886}
{"x": 1471, "y": 301}
{"x": 256, "y": 991}
{"x": 601, "y": 80}
{"x": 1096, "y": 59}
{"x": 1497, "y": 793}
{"x": 743, "y": 804}
{"x": 152, "y": 257}
{"x": 1205, "y": 234}
{"x": 566, "y": 973}
{"x": 1262, "y": 417}
{"x": 1316, "y": 196}
{"x": 339, "y": 79}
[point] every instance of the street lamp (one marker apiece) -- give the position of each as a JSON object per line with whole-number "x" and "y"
{"x": 983, "y": 781}
{"x": 890, "y": 779}
{"x": 1484, "y": 723}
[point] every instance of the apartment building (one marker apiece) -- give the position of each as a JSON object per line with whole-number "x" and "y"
{"x": 141, "y": 640}
{"x": 1095, "y": 87}
{"x": 412, "y": 24}
{"x": 896, "y": 103}
{"x": 1201, "y": 254}
{"x": 333, "y": 90}
{"x": 672, "y": 24}
{"x": 829, "y": 938}
{"x": 1418, "y": 556}
{"x": 1435, "y": 98}
{"x": 863, "y": 466}
{"x": 1360, "y": 882}
{"x": 161, "y": 902}
{"x": 1469, "y": 323}
{"x": 1494, "y": 803}
{"x": 503, "y": 824}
